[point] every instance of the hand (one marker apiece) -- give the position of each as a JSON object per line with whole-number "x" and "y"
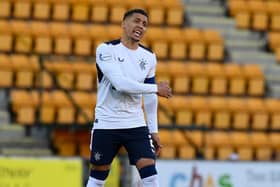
{"x": 164, "y": 90}
{"x": 156, "y": 143}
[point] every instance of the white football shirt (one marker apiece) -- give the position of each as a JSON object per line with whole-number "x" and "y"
{"x": 121, "y": 74}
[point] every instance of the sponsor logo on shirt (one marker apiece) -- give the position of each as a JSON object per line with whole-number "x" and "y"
{"x": 105, "y": 57}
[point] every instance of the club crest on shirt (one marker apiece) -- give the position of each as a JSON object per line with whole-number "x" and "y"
{"x": 105, "y": 57}
{"x": 97, "y": 156}
{"x": 120, "y": 59}
{"x": 142, "y": 64}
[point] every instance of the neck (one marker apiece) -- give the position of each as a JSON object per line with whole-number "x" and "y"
{"x": 129, "y": 43}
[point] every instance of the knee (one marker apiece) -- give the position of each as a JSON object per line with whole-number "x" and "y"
{"x": 100, "y": 172}
{"x": 143, "y": 162}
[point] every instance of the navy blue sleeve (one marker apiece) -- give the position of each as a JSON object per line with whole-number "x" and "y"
{"x": 151, "y": 80}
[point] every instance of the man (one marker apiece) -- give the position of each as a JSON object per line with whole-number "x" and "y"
{"x": 126, "y": 72}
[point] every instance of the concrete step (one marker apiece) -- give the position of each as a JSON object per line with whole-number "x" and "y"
{"x": 211, "y": 22}
{"x": 216, "y": 2}
{"x": 35, "y": 152}
{"x": 246, "y": 44}
{"x": 4, "y": 117}
{"x": 11, "y": 131}
{"x": 25, "y": 142}
{"x": 204, "y": 10}
{"x": 274, "y": 90}
{"x": 252, "y": 57}
{"x": 3, "y": 99}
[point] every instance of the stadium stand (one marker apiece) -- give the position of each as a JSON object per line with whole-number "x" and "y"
{"x": 221, "y": 59}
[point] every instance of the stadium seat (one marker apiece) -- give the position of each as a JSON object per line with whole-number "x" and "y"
{"x": 199, "y": 79}
{"x": 86, "y": 103}
{"x": 223, "y": 153}
{"x": 65, "y": 110}
{"x": 158, "y": 42}
{"x": 6, "y": 38}
{"x": 245, "y": 153}
{"x": 260, "y": 142}
{"x": 177, "y": 44}
{"x": 42, "y": 10}
{"x": 99, "y": 11}
{"x": 44, "y": 78}
{"x": 61, "y": 10}
{"x": 5, "y": 8}
{"x": 186, "y": 152}
{"x": 240, "y": 114}
{"x": 162, "y": 72}
{"x": 117, "y": 10}
{"x": 196, "y": 45}
{"x": 47, "y": 109}
{"x": 273, "y": 40}
{"x": 174, "y": 13}
{"x": 85, "y": 74}
{"x": 169, "y": 151}
{"x": 273, "y": 107}
{"x": 180, "y": 77}
{"x": 218, "y": 81}
{"x": 182, "y": 108}
{"x": 202, "y": 113}
{"x": 80, "y": 10}
{"x": 274, "y": 23}
{"x": 25, "y": 69}
{"x": 22, "y": 9}
{"x": 24, "y": 107}
{"x": 259, "y": 15}
{"x": 65, "y": 143}
{"x": 215, "y": 45}
{"x": 255, "y": 79}
{"x": 98, "y": 34}
{"x": 64, "y": 72}
{"x": 220, "y": 111}
{"x": 243, "y": 20}
{"x": 156, "y": 11}
{"x": 42, "y": 38}
{"x": 6, "y": 72}
{"x": 236, "y": 6}
{"x": 165, "y": 113}
{"x": 259, "y": 114}
{"x": 81, "y": 39}
{"x": 273, "y": 10}
{"x": 22, "y": 36}
{"x": 62, "y": 40}
{"x": 237, "y": 81}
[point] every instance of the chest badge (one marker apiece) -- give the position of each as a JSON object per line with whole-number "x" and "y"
{"x": 120, "y": 59}
{"x": 142, "y": 64}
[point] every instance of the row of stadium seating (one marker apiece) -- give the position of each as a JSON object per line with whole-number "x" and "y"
{"x": 79, "y": 39}
{"x": 182, "y": 144}
{"x": 164, "y": 12}
{"x": 219, "y": 145}
{"x": 56, "y": 107}
{"x": 220, "y": 112}
{"x": 274, "y": 43}
{"x": 23, "y": 71}
{"x": 255, "y": 14}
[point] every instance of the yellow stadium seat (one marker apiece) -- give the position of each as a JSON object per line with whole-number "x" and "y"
{"x": 41, "y": 10}
{"x": 85, "y": 74}
{"x": 217, "y": 139}
{"x": 273, "y": 107}
{"x": 186, "y": 152}
{"x": 239, "y": 139}
{"x": 174, "y": 14}
{"x": 42, "y": 38}
{"x": 80, "y": 11}
{"x": 255, "y": 79}
{"x": 98, "y": 34}
{"x": 199, "y": 79}
{"x": 273, "y": 10}
{"x": 81, "y": 39}
{"x": 5, "y": 8}
{"x": 274, "y": 23}
{"x": 274, "y": 140}
{"x": 162, "y": 72}
{"x": 237, "y": 81}
{"x": 196, "y": 137}
{"x": 117, "y": 10}
{"x": 218, "y": 81}
{"x": 6, "y": 72}
{"x": 165, "y": 113}
{"x": 177, "y": 44}
{"x": 259, "y": 15}
{"x": 65, "y": 142}
{"x": 259, "y": 114}
{"x": 44, "y": 78}
{"x": 47, "y": 108}
{"x": 202, "y": 113}
{"x": 62, "y": 40}
{"x": 221, "y": 112}
{"x": 196, "y": 45}
{"x": 277, "y": 53}
{"x": 65, "y": 110}
{"x": 99, "y": 11}
{"x": 64, "y": 72}
{"x": 25, "y": 69}
{"x": 209, "y": 153}
{"x": 22, "y": 8}
{"x": 243, "y": 20}
{"x": 273, "y": 40}
{"x": 158, "y": 41}
{"x": 6, "y": 38}
{"x": 24, "y": 106}
{"x": 245, "y": 153}
{"x": 237, "y": 6}
{"x": 240, "y": 114}
{"x": 61, "y": 10}
{"x": 22, "y": 34}
{"x": 156, "y": 12}
{"x": 181, "y": 106}
{"x": 215, "y": 45}
{"x": 223, "y": 153}
{"x": 180, "y": 77}
{"x": 114, "y": 32}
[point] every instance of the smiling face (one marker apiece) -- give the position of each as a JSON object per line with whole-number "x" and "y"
{"x": 134, "y": 27}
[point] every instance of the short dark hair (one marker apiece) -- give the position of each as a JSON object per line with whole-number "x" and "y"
{"x": 136, "y": 10}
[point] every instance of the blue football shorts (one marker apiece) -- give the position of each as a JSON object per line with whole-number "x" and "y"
{"x": 105, "y": 144}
